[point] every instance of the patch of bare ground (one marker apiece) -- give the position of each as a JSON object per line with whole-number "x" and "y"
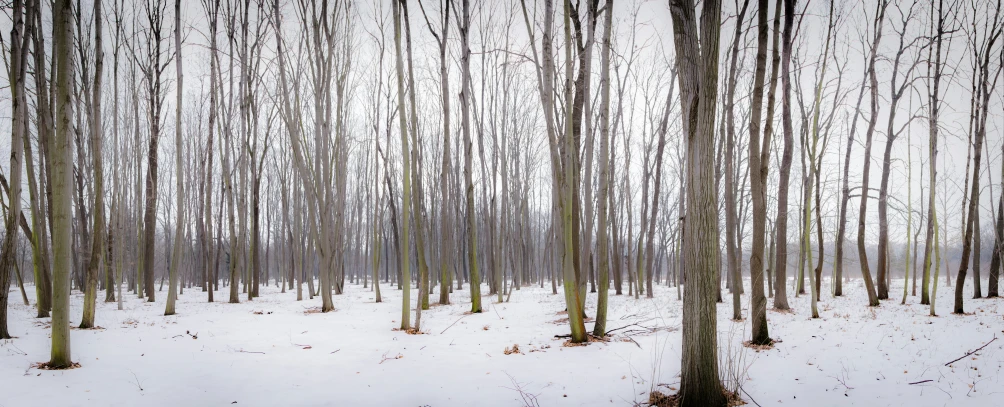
{"x": 315, "y": 310}
{"x": 93, "y": 328}
{"x": 409, "y": 331}
{"x": 47, "y": 366}
{"x": 658, "y": 399}
{"x": 589, "y": 338}
{"x": 760, "y": 347}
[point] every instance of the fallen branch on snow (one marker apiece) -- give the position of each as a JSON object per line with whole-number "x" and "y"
{"x": 528, "y": 399}
{"x": 454, "y": 323}
{"x": 385, "y": 358}
{"x": 973, "y": 352}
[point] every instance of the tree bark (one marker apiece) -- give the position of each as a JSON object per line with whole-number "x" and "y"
{"x": 97, "y": 250}
{"x": 697, "y": 61}
{"x": 472, "y": 232}
{"x": 731, "y": 216}
{"x": 781, "y": 224}
{"x": 62, "y": 172}
{"x": 179, "y": 238}
{"x": 985, "y": 80}
{"x": 873, "y": 299}
{"x": 759, "y": 163}
{"x": 19, "y": 126}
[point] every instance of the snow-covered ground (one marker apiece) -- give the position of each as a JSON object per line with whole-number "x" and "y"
{"x": 273, "y": 351}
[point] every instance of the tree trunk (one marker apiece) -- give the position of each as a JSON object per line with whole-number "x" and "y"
{"x": 781, "y": 224}
{"x": 602, "y": 241}
{"x": 97, "y": 251}
{"x": 179, "y": 238}
{"x": 759, "y": 163}
{"x": 731, "y": 216}
{"x": 62, "y": 172}
{"x": 984, "y": 81}
{"x": 405, "y": 246}
{"x": 17, "y": 65}
{"x": 995, "y": 260}
{"x": 873, "y": 299}
{"x": 472, "y": 236}
{"x": 698, "y": 80}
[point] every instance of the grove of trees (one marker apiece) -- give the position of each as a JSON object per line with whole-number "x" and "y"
{"x": 424, "y": 146}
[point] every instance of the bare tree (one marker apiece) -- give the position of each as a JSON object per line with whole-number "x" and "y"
{"x": 152, "y": 62}
{"x": 898, "y": 87}
{"x": 62, "y": 172}
{"x": 697, "y": 61}
{"x": 17, "y": 72}
{"x": 445, "y": 225}
{"x": 464, "y": 25}
{"x": 759, "y": 163}
{"x": 940, "y": 31}
{"x": 880, "y": 9}
{"x": 984, "y": 79}
{"x": 812, "y": 175}
{"x": 603, "y": 192}
{"x": 781, "y": 224}
{"x": 172, "y": 293}
{"x": 731, "y": 215}
{"x": 97, "y": 250}
{"x": 405, "y": 248}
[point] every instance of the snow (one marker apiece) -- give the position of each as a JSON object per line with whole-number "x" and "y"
{"x": 273, "y": 351}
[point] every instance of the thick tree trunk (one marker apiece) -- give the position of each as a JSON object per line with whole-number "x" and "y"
{"x": 62, "y": 172}
{"x": 759, "y": 163}
{"x": 697, "y": 61}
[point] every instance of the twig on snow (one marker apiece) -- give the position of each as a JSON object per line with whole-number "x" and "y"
{"x": 137, "y": 382}
{"x": 921, "y": 382}
{"x": 617, "y": 329}
{"x": 973, "y": 352}
{"x": 635, "y": 342}
{"x": 454, "y": 323}
{"x": 528, "y": 399}
{"x": 385, "y": 358}
{"x": 16, "y": 349}
{"x": 748, "y": 395}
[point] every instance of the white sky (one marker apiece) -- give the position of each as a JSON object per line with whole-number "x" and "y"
{"x": 653, "y": 39}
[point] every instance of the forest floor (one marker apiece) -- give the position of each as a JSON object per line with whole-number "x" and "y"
{"x": 276, "y": 351}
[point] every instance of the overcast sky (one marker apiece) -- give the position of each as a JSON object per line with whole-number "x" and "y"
{"x": 651, "y": 24}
